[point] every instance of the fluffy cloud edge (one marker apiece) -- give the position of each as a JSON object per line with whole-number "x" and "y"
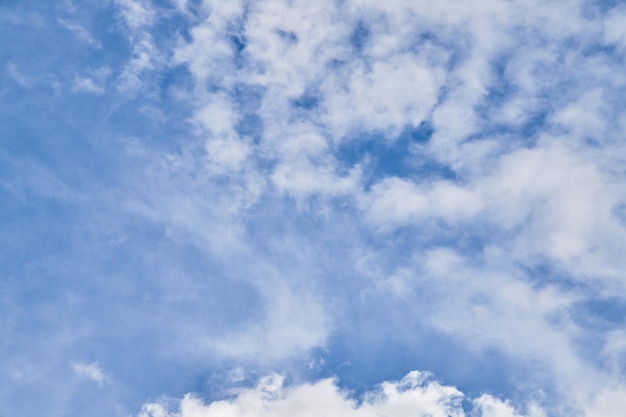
{"x": 417, "y": 394}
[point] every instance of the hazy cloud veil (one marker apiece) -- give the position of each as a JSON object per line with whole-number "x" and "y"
{"x": 217, "y": 208}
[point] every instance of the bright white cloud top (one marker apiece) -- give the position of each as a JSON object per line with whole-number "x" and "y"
{"x": 295, "y": 208}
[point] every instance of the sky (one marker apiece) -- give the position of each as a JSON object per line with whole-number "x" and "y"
{"x": 294, "y": 208}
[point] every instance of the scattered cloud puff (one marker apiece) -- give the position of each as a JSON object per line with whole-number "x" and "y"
{"x": 136, "y": 14}
{"x": 94, "y": 85}
{"x": 17, "y": 76}
{"x": 89, "y": 371}
{"x": 415, "y": 395}
{"x": 138, "y": 17}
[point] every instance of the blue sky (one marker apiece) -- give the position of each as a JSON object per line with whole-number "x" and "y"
{"x": 287, "y": 208}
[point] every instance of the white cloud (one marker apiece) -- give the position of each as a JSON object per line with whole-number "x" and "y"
{"x": 609, "y": 402}
{"x": 417, "y": 394}
{"x": 138, "y": 17}
{"x": 136, "y": 13}
{"x": 145, "y": 55}
{"x": 547, "y": 202}
{"x": 181, "y": 4}
{"x": 96, "y": 84}
{"x": 209, "y": 55}
{"x": 494, "y": 407}
{"x": 490, "y": 303}
{"x": 614, "y": 27}
{"x": 384, "y": 96}
{"x": 397, "y": 202}
{"x": 293, "y": 323}
{"x": 80, "y": 32}
{"x": 16, "y": 74}
{"x": 89, "y": 371}
{"x": 307, "y": 166}
{"x": 614, "y": 349}
{"x": 563, "y": 207}
{"x": 87, "y": 85}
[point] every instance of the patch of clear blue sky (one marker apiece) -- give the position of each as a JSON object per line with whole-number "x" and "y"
{"x": 383, "y": 156}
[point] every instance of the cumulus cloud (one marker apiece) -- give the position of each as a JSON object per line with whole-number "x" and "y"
{"x": 417, "y": 394}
